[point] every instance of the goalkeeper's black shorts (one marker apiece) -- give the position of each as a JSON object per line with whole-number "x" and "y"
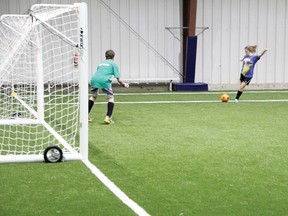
{"x": 244, "y": 79}
{"x": 107, "y": 91}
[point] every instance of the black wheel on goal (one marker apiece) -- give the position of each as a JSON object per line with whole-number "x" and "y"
{"x": 53, "y": 154}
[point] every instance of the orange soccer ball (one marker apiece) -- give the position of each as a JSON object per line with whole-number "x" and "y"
{"x": 224, "y": 98}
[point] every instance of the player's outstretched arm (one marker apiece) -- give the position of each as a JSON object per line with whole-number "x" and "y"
{"x": 125, "y": 85}
{"x": 263, "y": 52}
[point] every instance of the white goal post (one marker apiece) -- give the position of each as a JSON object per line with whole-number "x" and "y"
{"x": 44, "y": 83}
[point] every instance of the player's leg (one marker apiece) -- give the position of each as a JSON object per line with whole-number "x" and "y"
{"x": 240, "y": 91}
{"x": 244, "y": 82}
{"x": 92, "y": 99}
{"x": 110, "y": 108}
{"x": 110, "y": 105}
{"x": 241, "y": 88}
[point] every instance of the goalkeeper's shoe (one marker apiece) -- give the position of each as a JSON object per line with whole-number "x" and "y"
{"x": 108, "y": 120}
{"x": 90, "y": 119}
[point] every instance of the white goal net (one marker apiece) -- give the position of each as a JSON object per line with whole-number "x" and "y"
{"x": 43, "y": 82}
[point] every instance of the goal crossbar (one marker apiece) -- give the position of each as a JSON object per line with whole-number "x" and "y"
{"x": 51, "y": 28}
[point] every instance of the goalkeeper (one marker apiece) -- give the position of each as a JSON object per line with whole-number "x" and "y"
{"x": 101, "y": 79}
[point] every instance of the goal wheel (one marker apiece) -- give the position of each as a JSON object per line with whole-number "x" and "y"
{"x": 53, "y": 154}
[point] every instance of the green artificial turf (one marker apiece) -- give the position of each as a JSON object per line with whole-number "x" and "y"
{"x": 207, "y": 158}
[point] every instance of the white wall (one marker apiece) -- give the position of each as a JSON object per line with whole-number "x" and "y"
{"x": 135, "y": 29}
{"x": 233, "y": 24}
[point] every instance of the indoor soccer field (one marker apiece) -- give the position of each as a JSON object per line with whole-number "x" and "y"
{"x": 172, "y": 153}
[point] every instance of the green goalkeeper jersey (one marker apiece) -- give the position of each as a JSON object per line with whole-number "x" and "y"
{"x": 105, "y": 71}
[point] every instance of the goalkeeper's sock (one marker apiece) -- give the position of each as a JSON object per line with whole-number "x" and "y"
{"x": 110, "y": 108}
{"x": 91, "y": 103}
{"x": 239, "y": 93}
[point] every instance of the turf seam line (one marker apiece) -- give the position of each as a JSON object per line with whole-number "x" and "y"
{"x": 115, "y": 190}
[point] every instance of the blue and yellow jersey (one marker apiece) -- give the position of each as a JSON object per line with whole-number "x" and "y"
{"x": 249, "y": 64}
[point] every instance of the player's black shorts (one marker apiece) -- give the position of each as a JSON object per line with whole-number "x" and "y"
{"x": 244, "y": 79}
{"x": 107, "y": 91}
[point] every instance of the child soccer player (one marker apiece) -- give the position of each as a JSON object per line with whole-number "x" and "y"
{"x": 249, "y": 61}
{"x": 101, "y": 79}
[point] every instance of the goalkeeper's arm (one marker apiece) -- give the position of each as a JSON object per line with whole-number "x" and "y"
{"x": 125, "y": 85}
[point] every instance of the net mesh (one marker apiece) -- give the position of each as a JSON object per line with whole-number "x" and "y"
{"x": 39, "y": 80}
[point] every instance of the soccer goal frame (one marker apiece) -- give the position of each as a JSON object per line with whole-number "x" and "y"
{"x": 34, "y": 104}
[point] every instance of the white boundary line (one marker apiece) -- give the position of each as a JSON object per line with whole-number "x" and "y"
{"x": 114, "y": 189}
{"x": 196, "y": 101}
{"x": 263, "y": 101}
{"x": 198, "y": 93}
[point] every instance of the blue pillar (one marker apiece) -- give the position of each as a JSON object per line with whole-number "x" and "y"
{"x": 190, "y": 69}
{"x": 190, "y": 66}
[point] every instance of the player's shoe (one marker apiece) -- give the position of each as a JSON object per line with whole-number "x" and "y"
{"x": 236, "y": 100}
{"x": 90, "y": 119}
{"x": 108, "y": 120}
